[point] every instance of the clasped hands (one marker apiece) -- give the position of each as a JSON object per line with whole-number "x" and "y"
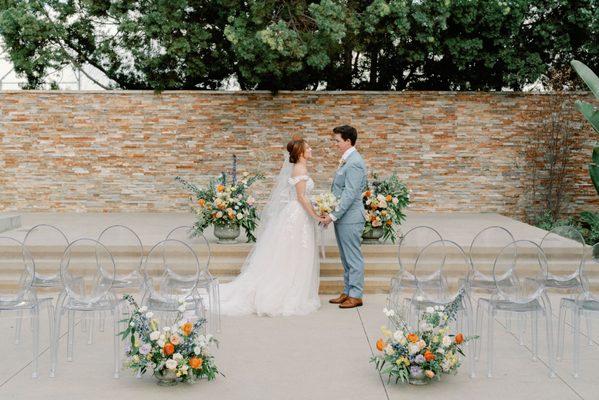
{"x": 324, "y": 220}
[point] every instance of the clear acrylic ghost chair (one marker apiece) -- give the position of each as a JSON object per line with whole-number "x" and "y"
{"x": 564, "y": 248}
{"x": 206, "y": 281}
{"x": 483, "y": 250}
{"x": 46, "y": 244}
{"x": 171, "y": 271}
{"x": 127, "y": 251}
{"x": 87, "y": 270}
{"x": 409, "y": 246}
{"x": 20, "y": 295}
{"x": 442, "y": 271}
{"x": 586, "y": 303}
{"x": 519, "y": 271}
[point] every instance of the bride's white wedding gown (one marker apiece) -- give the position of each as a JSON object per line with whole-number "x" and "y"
{"x": 281, "y": 275}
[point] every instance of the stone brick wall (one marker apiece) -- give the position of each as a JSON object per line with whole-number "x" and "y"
{"x": 119, "y": 151}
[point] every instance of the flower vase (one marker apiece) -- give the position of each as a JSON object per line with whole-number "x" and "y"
{"x": 417, "y": 378}
{"x": 166, "y": 377}
{"x": 372, "y": 236}
{"x": 226, "y": 234}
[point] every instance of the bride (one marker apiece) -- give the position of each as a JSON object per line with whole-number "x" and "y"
{"x": 280, "y": 276}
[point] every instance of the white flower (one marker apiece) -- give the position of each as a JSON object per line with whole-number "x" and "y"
{"x": 143, "y": 309}
{"x": 149, "y": 315}
{"x": 440, "y": 350}
{"x": 155, "y": 335}
{"x": 388, "y": 313}
{"x": 166, "y": 329}
{"x": 389, "y": 350}
{"x": 184, "y": 369}
{"x": 132, "y": 324}
{"x": 177, "y": 357}
{"x": 395, "y": 200}
{"x": 413, "y": 348}
{"x": 181, "y": 308}
{"x": 161, "y": 342}
{"x": 239, "y": 215}
{"x": 446, "y": 341}
{"x": 251, "y": 200}
{"x": 402, "y": 340}
{"x": 430, "y": 310}
{"x": 398, "y": 335}
{"x": 171, "y": 364}
{"x": 421, "y": 344}
{"x": 197, "y": 350}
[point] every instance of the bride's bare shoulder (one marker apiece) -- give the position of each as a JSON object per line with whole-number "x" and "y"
{"x": 299, "y": 170}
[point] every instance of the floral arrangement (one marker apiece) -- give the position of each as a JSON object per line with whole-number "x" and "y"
{"x": 384, "y": 201}
{"x": 325, "y": 203}
{"x": 179, "y": 351}
{"x": 225, "y": 204}
{"x": 418, "y": 356}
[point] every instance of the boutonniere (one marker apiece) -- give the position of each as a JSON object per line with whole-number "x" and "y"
{"x": 341, "y": 163}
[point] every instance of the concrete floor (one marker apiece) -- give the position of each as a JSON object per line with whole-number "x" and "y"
{"x": 324, "y": 355}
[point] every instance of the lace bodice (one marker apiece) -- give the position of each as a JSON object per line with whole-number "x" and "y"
{"x": 295, "y": 180}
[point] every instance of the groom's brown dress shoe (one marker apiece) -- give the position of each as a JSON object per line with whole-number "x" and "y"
{"x": 340, "y": 299}
{"x": 351, "y": 302}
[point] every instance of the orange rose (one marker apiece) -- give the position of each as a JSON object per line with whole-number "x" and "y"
{"x": 195, "y": 362}
{"x": 412, "y": 337}
{"x": 390, "y": 222}
{"x": 428, "y": 356}
{"x": 202, "y": 202}
{"x": 168, "y": 349}
{"x": 388, "y": 197}
{"x": 220, "y": 188}
{"x": 380, "y": 345}
{"x": 459, "y": 338}
{"x": 187, "y": 328}
{"x": 367, "y": 193}
{"x": 373, "y": 206}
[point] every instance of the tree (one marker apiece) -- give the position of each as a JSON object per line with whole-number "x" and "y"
{"x": 300, "y": 44}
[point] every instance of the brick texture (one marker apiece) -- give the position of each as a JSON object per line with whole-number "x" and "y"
{"x": 120, "y": 151}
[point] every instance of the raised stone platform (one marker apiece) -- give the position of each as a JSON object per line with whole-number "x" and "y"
{"x": 381, "y": 259}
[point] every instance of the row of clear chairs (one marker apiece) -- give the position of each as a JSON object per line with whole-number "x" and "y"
{"x": 88, "y": 273}
{"x": 514, "y": 274}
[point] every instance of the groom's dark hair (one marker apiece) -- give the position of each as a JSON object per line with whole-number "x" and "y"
{"x": 347, "y": 132}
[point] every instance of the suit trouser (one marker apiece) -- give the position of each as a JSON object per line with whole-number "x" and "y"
{"x": 349, "y": 239}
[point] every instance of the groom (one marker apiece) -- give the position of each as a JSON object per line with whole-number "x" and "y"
{"x": 348, "y": 218}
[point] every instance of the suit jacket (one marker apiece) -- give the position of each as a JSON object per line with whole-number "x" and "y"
{"x": 348, "y": 185}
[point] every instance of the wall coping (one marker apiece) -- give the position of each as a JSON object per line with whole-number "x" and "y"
{"x": 294, "y": 92}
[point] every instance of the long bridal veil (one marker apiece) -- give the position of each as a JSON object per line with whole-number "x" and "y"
{"x": 279, "y": 197}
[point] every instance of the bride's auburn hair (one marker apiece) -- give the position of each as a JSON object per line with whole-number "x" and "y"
{"x": 296, "y": 148}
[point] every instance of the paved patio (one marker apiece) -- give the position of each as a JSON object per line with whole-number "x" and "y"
{"x": 321, "y": 356}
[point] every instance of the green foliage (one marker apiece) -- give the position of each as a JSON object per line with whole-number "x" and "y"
{"x": 587, "y": 222}
{"x": 591, "y": 113}
{"x": 333, "y": 44}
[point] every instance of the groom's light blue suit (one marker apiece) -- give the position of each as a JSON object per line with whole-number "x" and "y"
{"x": 348, "y": 186}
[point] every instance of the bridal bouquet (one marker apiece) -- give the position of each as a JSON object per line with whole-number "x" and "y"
{"x": 225, "y": 204}
{"x": 325, "y": 203}
{"x": 419, "y": 355}
{"x": 177, "y": 353}
{"x": 384, "y": 201}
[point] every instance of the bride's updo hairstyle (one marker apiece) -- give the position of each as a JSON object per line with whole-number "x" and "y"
{"x": 296, "y": 148}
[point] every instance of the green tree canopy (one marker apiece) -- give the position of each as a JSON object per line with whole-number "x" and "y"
{"x": 298, "y": 44}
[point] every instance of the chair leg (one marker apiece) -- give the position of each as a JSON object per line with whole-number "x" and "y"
{"x": 71, "y": 335}
{"x": 534, "y": 322}
{"x": 521, "y": 328}
{"x": 549, "y": 326}
{"x": 490, "y": 344}
{"x": 479, "y": 326}
{"x": 90, "y": 337}
{"x": 576, "y": 314}
{"x": 56, "y": 332}
{"x": 18, "y": 324}
{"x": 117, "y": 350}
{"x": 35, "y": 317}
{"x": 589, "y": 321}
{"x": 561, "y": 325}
